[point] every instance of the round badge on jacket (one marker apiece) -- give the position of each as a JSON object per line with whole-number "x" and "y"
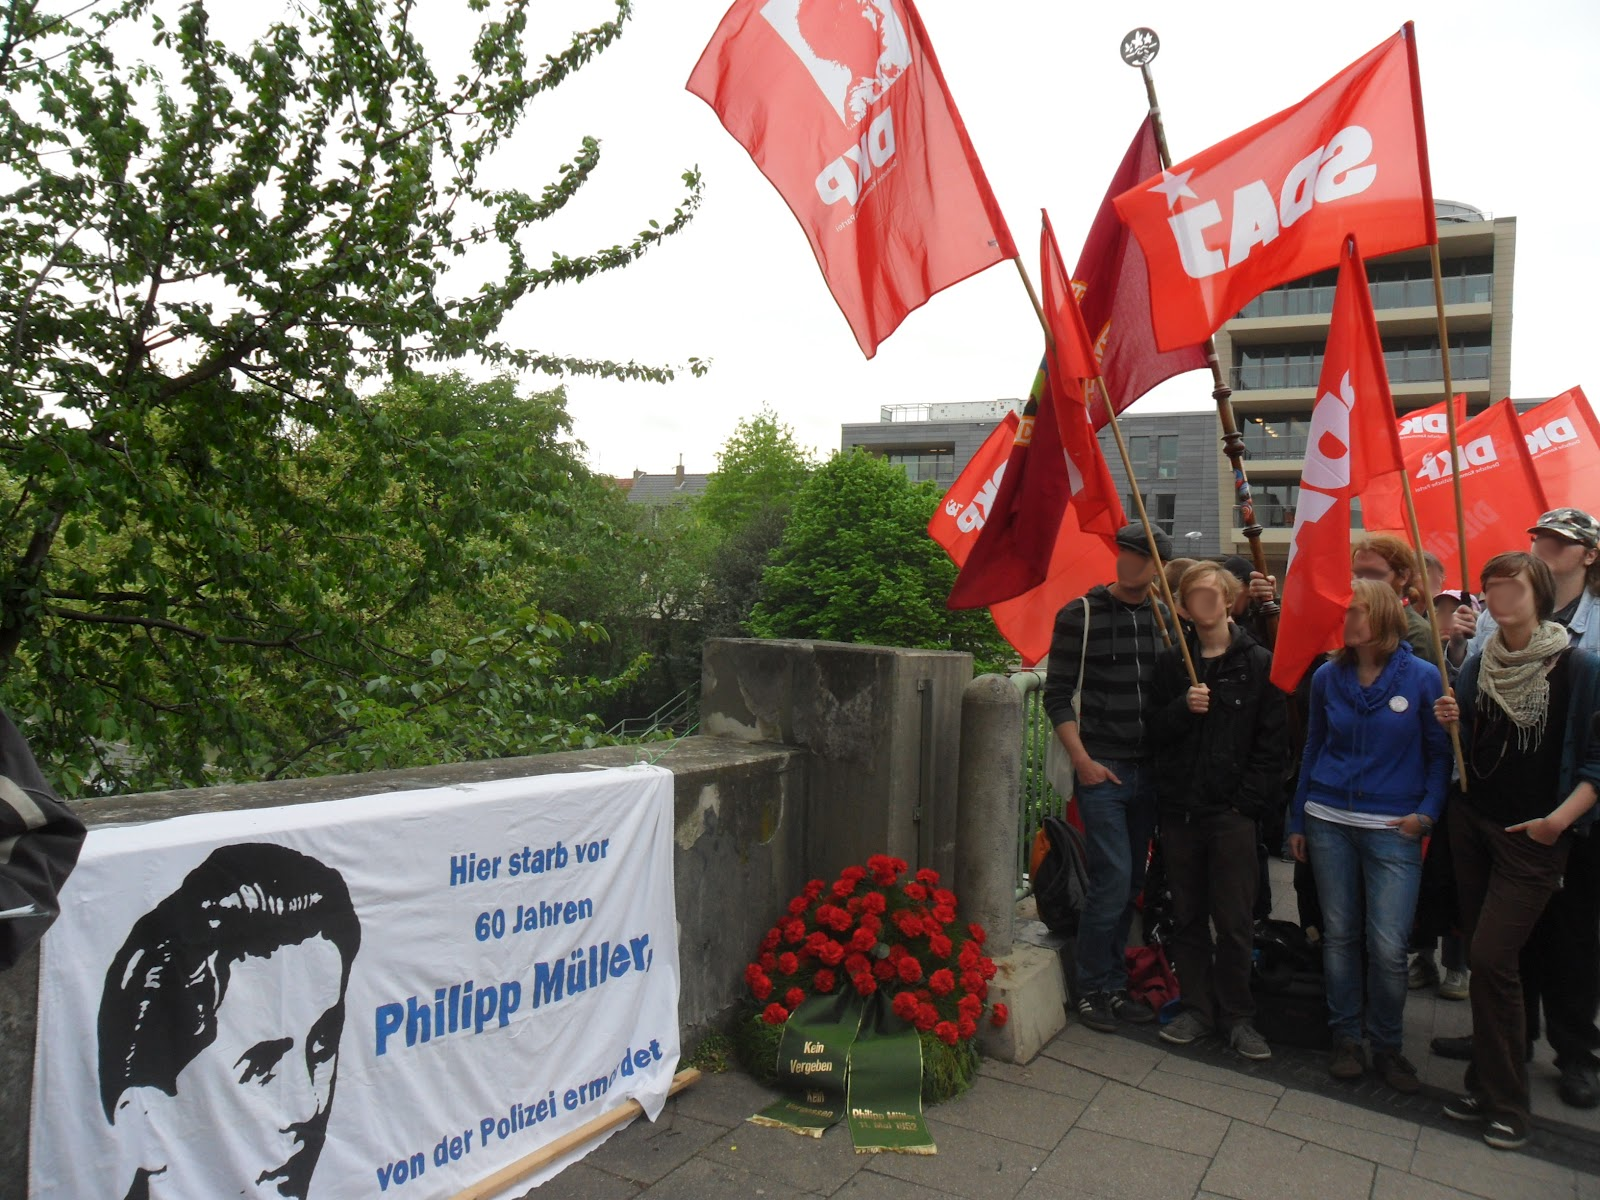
{"x": 1399, "y": 703}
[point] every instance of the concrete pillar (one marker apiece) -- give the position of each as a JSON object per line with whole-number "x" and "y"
{"x": 988, "y": 791}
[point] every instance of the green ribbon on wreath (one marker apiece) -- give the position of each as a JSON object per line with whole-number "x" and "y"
{"x": 844, "y": 1054}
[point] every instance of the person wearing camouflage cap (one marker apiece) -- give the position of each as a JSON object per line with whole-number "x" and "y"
{"x": 1567, "y": 540}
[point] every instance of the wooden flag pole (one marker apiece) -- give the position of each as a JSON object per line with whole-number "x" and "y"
{"x": 1138, "y": 49}
{"x": 1450, "y": 421}
{"x": 545, "y": 1155}
{"x": 1420, "y": 567}
{"x": 1164, "y": 588}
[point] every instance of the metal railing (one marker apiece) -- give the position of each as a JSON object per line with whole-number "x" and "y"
{"x": 675, "y": 715}
{"x": 1402, "y": 367}
{"x": 1038, "y": 798}
{"x": 1386, "y": 293}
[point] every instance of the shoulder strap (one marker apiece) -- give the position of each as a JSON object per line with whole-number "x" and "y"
{"x": 1083, "y": 658}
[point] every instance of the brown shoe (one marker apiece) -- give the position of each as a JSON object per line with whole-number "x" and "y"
{"x": 1396, "y": 1070}
{"x": 1348, "y": 1062}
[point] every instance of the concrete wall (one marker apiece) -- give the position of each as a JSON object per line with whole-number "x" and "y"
{"x": 827, "y": 753}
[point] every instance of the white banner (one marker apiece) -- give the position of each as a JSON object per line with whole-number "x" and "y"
{"x": 391, "y": 995}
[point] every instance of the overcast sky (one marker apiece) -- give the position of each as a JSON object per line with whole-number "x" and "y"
{"x": 1510, "y": 93}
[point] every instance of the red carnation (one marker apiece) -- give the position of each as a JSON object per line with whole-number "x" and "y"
{"x": 910, "y": 970}
{"x": 772, "y": 938}
{"x": 761, "y": 988}
{"x": 978, "y": 935}
{"x": 969, "y": 956}
{"x": 909, "y": 923}
{"x": 871, "y": 922}
{"x": 824, "y": 980}
{"x": 854, "y": 964}
{"x": 986, "y": 967}
{"x": 927, "y": 1017}
{"x": 853, "y": 905}
{"x": 798, "y": 905}
{"x": 999, "y": 1015}
{"x": 905, "y": 1006}
{"x": 865, "y": 983}
{"x": 945, "y": 897}
{"x": 834, "y": 917}
{"x": 928, "y": 876}
{"x": 944, "y": 913}
{"x": 793, "y": 998}
{"x": 884, "y": 969}
{"x": 947, "y": 1032}
{"x": 853, "y": 873}
{"x": 816, "y": 941}
{"x": 843, "y": 888}
{"x": 873, "y": 902}
{"x": 939, "y": 945}
{"x": 768, "y": 961}
{"x": 752, "y": 973}
{"x": 897, "y": 952}
{"x": 813, "y": 889}
{"x": 916, "y": 891}
{"x": 775, "y": 1014}
{"x": 942, "y": 982}
{"x": 794, "y": 931}
{"x": 970, "y": 1006}
{"x": 971, "y": 981}
{"x": 966, "y": 1027}
{"x": 831, "y": 954}
{"x": 788, "y": 963}
{"x": 863, "y": 939}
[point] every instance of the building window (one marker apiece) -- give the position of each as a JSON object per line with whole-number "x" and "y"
{"x": 1468, "y": 280}
{"x": 1407, "y": 359}
{"x": 1139, "y": 453}
{"x": 1164, "y": 511}
{"x": 936, "y": 463}
{"x": 1167, "y": 456}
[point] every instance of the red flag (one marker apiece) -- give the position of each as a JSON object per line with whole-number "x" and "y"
{"x": 1070, "y": 363}
{"x": 844, "y": 110}
{"x": 1564, "y": 442}
{"x": 1501, "y": 495}
{"x": 1080, "y": 560}
{"x": 965, "y": 509}
{"x": 1352, "y": 441}
{"x": 1417, "y": 428}
{"x": 1272, "y": 203}
{"x": 1113, "y": 290}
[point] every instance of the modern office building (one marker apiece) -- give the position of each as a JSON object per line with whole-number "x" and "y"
{"x": 1272, "y": 353}
{"x": 1175, "y": 458}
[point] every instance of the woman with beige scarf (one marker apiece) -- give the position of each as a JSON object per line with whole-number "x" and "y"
{"x": 1533, "y": 775}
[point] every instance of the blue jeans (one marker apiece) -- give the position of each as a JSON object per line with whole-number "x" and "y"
{"x": 1118, "y": 820}
{"x": 1379, "y": 870}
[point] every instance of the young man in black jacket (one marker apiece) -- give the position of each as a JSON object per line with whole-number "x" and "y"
{"x": 1219, "y": 751}
{"x": 1102, "y": 728}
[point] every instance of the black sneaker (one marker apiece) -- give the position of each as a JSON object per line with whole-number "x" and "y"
{"x": 1396, "y": 1070}
{"x": 1466, "y": 1108}
{"x": 1503, "y": 1135}
{"x": 1094, "y": 1010}
{"x": 1347, "y": 1062}
{"x": 1458, "y": 1048}
{"x": 1580, "y": 1085}
{"x": 1125, "y": 1008}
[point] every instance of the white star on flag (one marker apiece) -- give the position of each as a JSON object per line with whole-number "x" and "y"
{"x": 1175, "y": 186}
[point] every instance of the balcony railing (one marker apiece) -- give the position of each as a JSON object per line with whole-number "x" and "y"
{"x": 1403, "y": 367}
{"x": 1387, "y": 293}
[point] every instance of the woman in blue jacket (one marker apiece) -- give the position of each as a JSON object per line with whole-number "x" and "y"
{"x": 1372, "y": 783}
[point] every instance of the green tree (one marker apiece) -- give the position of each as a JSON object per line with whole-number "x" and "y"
{"x": 760, "y": 468}
{"x": 856, "y": 564}
{"x": 200, "y": 265}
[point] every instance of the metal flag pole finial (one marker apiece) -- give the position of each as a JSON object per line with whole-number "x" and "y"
{"x": 1140, "y": 46}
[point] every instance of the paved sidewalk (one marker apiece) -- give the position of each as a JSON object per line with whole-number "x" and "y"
{"x": 1095, "y": 1116}
{"x": 1125, "y": 1117}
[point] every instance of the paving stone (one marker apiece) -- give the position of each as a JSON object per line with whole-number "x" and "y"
{"x": 581, "y": 1181}
{"x": 1038, "y": 1189}
{"x": 1250, "y": 1106}
{"x": 1258, "y": 1164}
{"x": 1154, "y": 1120}
{"x": 1108, "y": 1055}
{"x": 868, "y": 1184}
{"x": 1008, "y": 1110}
{"x": 1398, "y": 1185}
{"x": 1243, "y": 1079}
{"x": 726, "y": 1099}
{"x": 1506, "y": 1181}
{"x": 1325, "y": 1108}
{"x": 1462, "y": 1142}
{"x": 1588, "y": 1186}
{"x": 699, "y": 1178}
{"x": 646, "y": 1151}
{"x": 1046, "y": 1074}
{"x": 809, "y": 1164}
{"x": 975, "y": 1165}
{"x": 1363, "y": 1143}
{"x": 1103, "y": 1165}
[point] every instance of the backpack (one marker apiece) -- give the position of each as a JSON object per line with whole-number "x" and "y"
{"x": 1059, "y": 869}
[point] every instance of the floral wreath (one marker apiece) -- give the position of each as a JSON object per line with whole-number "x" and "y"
{"x": 870, "y": 932}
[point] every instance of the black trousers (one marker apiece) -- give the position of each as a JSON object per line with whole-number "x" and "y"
{"x": 1560, "y": 965}
{"x": 1211, "y": 871}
